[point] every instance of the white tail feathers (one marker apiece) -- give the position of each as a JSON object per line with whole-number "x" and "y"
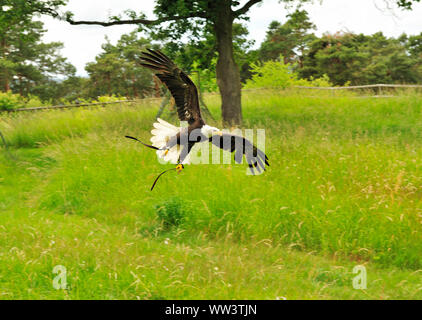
{"x": 162, "y": 133}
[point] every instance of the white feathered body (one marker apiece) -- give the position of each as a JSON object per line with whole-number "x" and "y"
{"x": 164, "y": 131}
{"x": 161, "y": 134}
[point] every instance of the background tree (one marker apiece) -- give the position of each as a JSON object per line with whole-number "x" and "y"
{"x": 27, "y": 64}
{"x": 187, "y": 17}
{"x": 200, "y": 53}
{"x": 191, "y": 16}
{"x": 71, "y": 89}
{"x": 407, "y": 4}
{"x": 361, "y": 59}
{"x": 14, "y": 16}
{"x": 289, "y": 39}
{"x": 117, "y": 69}
{"x": 388, "y": 61}
{"x": 336, "y": 55}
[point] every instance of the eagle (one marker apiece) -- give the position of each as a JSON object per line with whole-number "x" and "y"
{"x": 174, "y": 144}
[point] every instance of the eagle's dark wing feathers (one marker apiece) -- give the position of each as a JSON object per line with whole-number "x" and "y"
{"x": 180, "y": 85}
{"x": 255, "y": 158}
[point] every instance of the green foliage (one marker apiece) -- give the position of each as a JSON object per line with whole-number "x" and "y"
{"x": 343, "y": 58}
{"x": 170, "y": 212}
{"x": 32, "y": 101}
{"x": 356, "y": 59}
{"x": 70, "y": 90}
{"x": 10, "y": 101}
{"x": 99, "y": 99}
{"x": 271, "y": 74}
{"x": 117, "y": 71}
{"x": 406, "y": 4}
{"x": 201, "y": 54}
{"x": 111, "y": 98}
{"x": 287, "y": 39}
{"x": 207, "y": 77}
{"x": 361, "y": 59}
{"x": 324, "y": 81}
{"x": 27, "y": 65}
{"x": 277, "y": 74}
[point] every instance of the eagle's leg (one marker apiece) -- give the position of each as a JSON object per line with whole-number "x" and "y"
{"x": 179, "y": 167}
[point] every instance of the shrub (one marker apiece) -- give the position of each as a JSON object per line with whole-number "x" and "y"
{"x": 277, "y": 74}
{"x": 111, "y": 98}
{"x": 271, "y": 74}
{"x": 170, "y": 212}
{"x": 324, "y": 81}
{"x": 10, "y": 101}
{"x": 33, "y": 101}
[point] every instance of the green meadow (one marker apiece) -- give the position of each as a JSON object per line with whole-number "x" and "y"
{"x": 344, "y": 189}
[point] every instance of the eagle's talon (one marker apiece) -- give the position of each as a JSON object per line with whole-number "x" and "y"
{"x": 179, "y": 168}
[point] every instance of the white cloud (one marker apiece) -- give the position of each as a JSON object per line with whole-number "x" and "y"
{"x": 83, "y": 43}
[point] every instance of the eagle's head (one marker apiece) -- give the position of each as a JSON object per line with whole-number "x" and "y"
{"x": 209, "y": 131}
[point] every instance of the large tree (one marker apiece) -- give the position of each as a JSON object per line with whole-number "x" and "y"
{"x": 201, "y": 53}
{"x": 192, "y": 16}
{"x": 27, "y": 64}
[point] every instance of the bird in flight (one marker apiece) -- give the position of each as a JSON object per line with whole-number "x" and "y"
{"x": 173, "y": 144}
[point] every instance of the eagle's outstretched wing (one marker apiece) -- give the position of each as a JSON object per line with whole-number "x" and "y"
{"x": 255, "y": 157}
{"x": 180, "y": 85}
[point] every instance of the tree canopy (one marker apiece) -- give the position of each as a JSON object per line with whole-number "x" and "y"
{"x": 289, "y": 39}
{"x": 191, "y": 16}
{"x": 202, "y": 36}
{"x": 27, "y": 63}
{"x": 117, "y": 70}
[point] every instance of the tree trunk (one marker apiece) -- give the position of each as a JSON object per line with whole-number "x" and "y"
{"x": 135, "y": 89}
{"x": 6, "y": 83}
{"x": 228, "y": 75}
{"x": 6, "y": 86}
{"x": 20, "y": 85}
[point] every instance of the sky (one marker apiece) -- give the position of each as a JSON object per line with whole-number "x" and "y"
{"x": 82, "y": 43}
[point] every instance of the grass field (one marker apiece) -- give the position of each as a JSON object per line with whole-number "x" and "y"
{"x": 344, "y": 189}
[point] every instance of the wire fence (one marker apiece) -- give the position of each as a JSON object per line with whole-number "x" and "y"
{"x": 369, "y": 86}
{"x": 380, "y": 87}
{"x": 76, "y": 105}
{"x": 164, "y": 100}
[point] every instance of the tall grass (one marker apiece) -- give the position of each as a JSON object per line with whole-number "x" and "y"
{"x": 345, "y": 180}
